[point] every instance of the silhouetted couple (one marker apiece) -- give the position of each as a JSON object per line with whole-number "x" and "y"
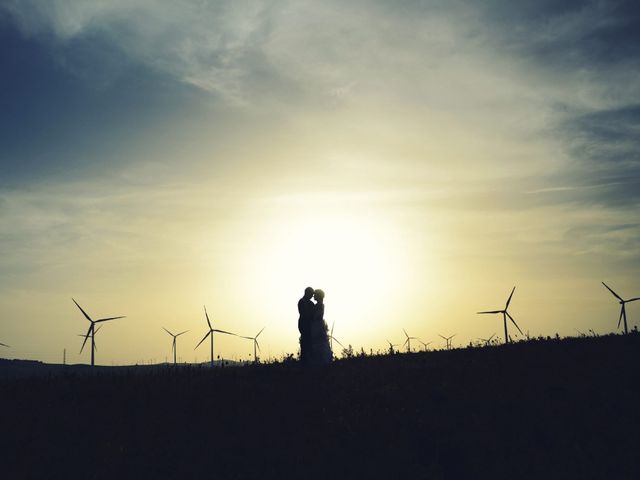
{"x": 314, "y": 339}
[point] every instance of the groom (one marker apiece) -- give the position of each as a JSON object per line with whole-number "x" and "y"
{"x": 305, "y": 309}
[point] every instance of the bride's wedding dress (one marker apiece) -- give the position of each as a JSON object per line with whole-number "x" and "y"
{"x": 322, "y": 354}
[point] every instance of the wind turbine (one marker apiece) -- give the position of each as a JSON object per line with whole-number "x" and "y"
{"x": 255, "y": 344}
{"x": 332, "y": 338}
{"x": 623, "y": 311}
{"x": 174, "y": 347}
{"x": 425, "y": 345}
{"x": 91, "y": 331}
{"x": 407, "y": 342}
{"x": 391, "y": 345}
{"x": 505, "y": 314}
{"x": 210, "y": 333}
{"x": 448, "y": 340}
{"x": 487, "y": 341}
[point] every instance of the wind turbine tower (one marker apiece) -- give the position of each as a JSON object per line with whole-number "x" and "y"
{"x": 505, "y": 314}
{"x": 623, "y": 311}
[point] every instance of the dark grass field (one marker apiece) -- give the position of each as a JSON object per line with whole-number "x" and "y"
{"x": 538, "y": 409}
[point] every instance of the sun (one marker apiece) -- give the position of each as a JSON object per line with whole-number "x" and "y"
{"x": 355, "y": 256}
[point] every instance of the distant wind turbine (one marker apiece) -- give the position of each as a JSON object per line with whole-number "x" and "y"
{"x": 210, "y": 333}
{"x": 391, "y": 345}
{"x": 256, "y": 346}
{"x": 487, "y": 341}
{"x": 332, "y": 338}
{"x": 90, "y": 332}
{"x": 505, "y": 314}
{"x": 174, "y": 343}
{"x": 623, "y": 311}
{"x": 407, "y": 342}
{"x": 448, "y": 340}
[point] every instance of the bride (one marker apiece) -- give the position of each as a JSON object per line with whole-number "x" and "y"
{"x": 321, "y": 354}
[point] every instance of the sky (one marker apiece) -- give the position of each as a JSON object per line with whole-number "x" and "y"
{"x": 414, "y": 159}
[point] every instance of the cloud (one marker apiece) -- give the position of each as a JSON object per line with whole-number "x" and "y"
{"x": 538, "y": 93}
{"x": 206, "y": 44}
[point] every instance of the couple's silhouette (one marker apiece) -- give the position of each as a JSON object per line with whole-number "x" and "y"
{"x": 314, "y": 339}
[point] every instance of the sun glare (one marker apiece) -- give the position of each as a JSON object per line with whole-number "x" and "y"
{"x": 355, "y": 257}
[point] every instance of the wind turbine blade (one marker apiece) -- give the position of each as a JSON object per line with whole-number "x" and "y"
{"x": 83, "y": 312}
{"x": 107, "y": 319}
{"x": 633, "y": 299}
{"x": 339, "y": 343}
{"x": 514, "y": 322}
{"x": 207, "y": 315}
{"x": 509, "y": 299}
{"x": 248, "y": 338}
{"x": 405, "y": 333}
{"x": 97, "y": 329}
{"x": 405, "y": 342}
{"x": 444, "y": 338}
{"x": 4, "y": 345}
{"x": 182, "y": 333}
{"x": 260, "y": 332}
{"x": 257, "y": 345}
{"x": 86, "y": 336}
{"x": 489, "y": 339}
{"x": 203, "y": 339}
{"x": 492, "y": 311}
{"x": 222, "y": 331}
{"x": 614, "y": 293}
{"x": 167, "y": 331}
{"x": 621, "y": 315}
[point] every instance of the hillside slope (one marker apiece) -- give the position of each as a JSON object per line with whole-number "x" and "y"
{"x": 558, "y": 409}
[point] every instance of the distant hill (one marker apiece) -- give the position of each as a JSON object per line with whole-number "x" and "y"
{"x": 33, "y": 368}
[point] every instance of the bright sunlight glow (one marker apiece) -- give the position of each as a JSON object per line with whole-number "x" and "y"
{"x": 356, "y": 257}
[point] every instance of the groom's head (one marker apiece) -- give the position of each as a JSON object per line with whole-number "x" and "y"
{"x": 308, "y": 293}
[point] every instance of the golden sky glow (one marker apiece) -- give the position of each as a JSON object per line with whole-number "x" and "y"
{"x": 415, "y": 162}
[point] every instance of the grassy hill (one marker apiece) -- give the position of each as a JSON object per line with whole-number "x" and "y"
{"x": 554, "y": 409}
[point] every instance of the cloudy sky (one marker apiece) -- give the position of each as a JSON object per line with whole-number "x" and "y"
{"x": 414, "y": 159}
